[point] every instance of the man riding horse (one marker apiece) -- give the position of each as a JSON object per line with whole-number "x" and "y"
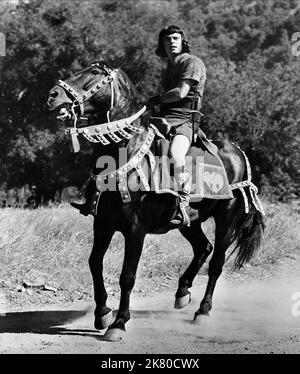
{"x": 183, "y": 85}
{"x": 237, "y": 213}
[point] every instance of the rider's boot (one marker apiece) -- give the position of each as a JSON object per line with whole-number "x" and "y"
{"x": 88, "y": 190}
{"x": 182, "y": 217}
{"x": 184, "y": 181}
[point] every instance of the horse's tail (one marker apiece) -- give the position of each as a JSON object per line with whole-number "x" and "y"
{"x": 250, "y": 226}
{"x": 248, "y": 234}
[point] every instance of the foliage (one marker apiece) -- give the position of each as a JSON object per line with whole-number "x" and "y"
{"x": 251, "y": 97}
{"x": 258, "y": 109}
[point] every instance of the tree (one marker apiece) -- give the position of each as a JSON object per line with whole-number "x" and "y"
{"x": 251, "y": 96}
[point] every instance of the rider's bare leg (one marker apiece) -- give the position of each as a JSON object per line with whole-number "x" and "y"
{"x": 178, "y": 150}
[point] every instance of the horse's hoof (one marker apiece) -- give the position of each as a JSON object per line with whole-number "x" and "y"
{"x": 200, "y": 318}
{"x": 181, "y": 302}
{"x": 114, "y": 335}
{"x": 104, "y": 321}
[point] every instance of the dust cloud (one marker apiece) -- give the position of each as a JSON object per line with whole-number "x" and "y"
{"x": 247, "y": 311}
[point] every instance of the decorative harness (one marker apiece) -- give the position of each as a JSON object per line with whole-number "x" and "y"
{"x": 120, "y": 174}
{"x": 248, "y": 183}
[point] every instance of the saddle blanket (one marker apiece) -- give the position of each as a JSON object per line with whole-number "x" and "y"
{"x": 208, "y": 176}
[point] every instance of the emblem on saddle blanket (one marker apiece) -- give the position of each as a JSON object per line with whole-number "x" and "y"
{"x": 214, "y": 181}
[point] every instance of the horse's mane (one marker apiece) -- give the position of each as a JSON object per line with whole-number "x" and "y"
{"x": 124, "y": 83}
{"x": 129, "y": 90}
{"x": 135, "y": 104}
{"x": 129, "y": 103}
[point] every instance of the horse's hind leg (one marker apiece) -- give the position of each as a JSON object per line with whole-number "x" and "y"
{"x": 102, "y": 239}
{"x": 225, "y": 219}
{"x": 202, "y": 248}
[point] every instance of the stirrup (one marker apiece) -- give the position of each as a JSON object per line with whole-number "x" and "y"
{"x": 181, "y": 219}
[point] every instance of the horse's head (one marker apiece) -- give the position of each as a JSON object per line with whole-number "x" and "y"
{"x": 88, "y": 91}
{"x": 101, "y": 90}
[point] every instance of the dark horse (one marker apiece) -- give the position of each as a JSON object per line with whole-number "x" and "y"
{"x": 102, "y": 91}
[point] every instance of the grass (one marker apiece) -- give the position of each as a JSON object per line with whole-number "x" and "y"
{"x": 282, "y": 235}
{"x": 57, "y": 242}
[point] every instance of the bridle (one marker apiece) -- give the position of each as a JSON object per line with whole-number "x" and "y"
{"x": 97, "y": 133}
{"x": 80, "y": 98}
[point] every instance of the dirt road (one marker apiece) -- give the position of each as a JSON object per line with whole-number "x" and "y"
{"x": 247, "y": 317}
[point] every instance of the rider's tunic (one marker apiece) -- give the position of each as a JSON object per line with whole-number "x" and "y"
{"x": 179, "y": 114}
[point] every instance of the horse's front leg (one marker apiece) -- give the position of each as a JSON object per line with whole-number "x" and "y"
{"x": 134, "y": 241}
{"x": 102, "y": 238}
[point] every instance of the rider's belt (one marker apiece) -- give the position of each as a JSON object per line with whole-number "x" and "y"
{"x": 189, "y": 102}
{"x": 177, "y": 104}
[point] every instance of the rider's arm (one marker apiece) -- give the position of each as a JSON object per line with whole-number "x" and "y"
{"x": 178, "y": 92}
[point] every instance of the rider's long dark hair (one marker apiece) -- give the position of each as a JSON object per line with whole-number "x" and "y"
{"x": 160, "y": 51}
